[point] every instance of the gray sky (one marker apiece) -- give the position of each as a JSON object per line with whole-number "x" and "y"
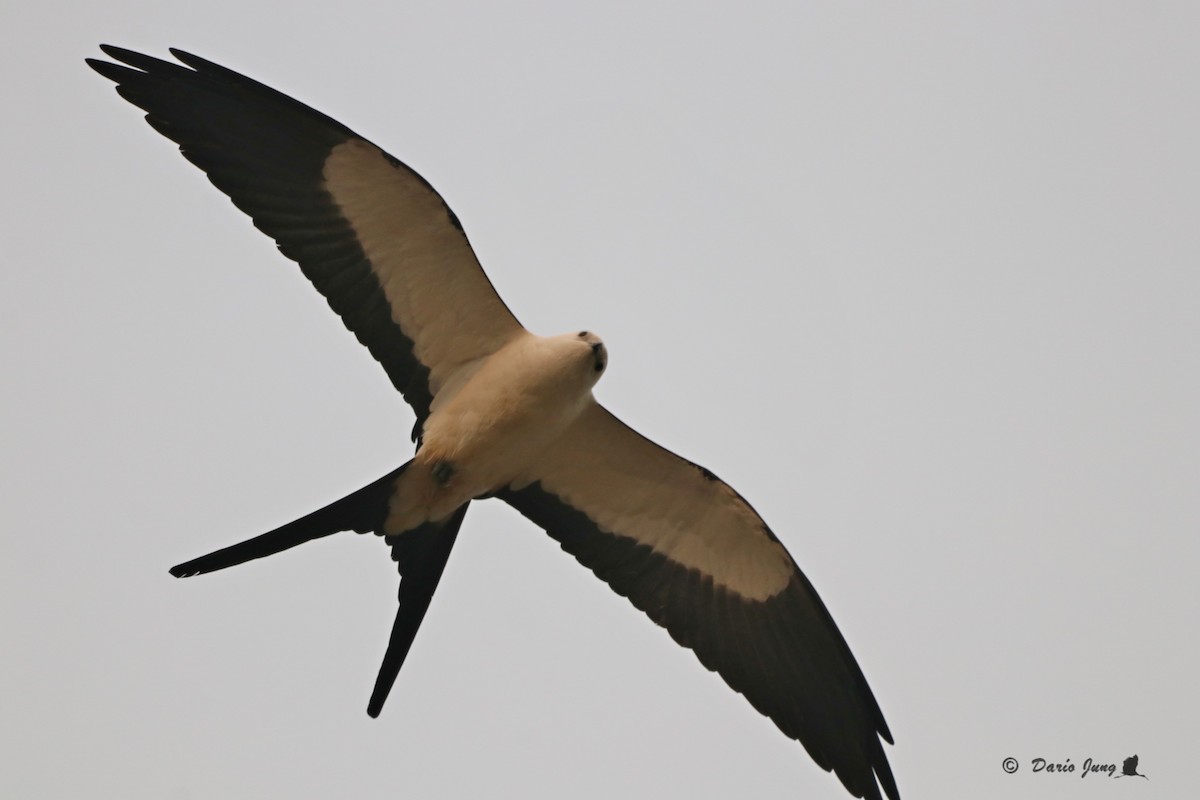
{"x": 919, "y": 281}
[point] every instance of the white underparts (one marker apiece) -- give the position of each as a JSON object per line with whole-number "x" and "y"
{"x": 494, "y": 424}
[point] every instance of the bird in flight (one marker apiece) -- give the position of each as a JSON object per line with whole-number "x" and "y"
{"x": 503, "y": 413}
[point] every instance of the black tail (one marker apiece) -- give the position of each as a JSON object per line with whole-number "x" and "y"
{"x": 363, "y": 511}
{"x": 421, "y": 555}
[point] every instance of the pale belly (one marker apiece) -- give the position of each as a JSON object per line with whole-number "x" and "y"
{"x": 506, "y": 414}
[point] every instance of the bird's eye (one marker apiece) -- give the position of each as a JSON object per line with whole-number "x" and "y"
{"x": 582, "y": 334}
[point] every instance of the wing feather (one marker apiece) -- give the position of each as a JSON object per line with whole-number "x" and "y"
{"x": 372, "y": 235}
{"x": 690, "y": 553}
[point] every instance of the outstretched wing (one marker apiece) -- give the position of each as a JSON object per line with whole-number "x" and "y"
{"x": 687, "y": 550}
{"x": 374, "y": 238}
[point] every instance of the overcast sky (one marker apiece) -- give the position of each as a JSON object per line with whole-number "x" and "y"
{"x": 919, "y": 280}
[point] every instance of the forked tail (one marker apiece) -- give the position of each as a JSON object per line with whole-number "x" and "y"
{"x": 363, "y": 511}
{"x": 420, "y": 553}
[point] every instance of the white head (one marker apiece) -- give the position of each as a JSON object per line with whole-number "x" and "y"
{"x": 599, "y": 353}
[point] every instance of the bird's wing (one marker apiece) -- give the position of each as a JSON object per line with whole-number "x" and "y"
{"x": 687, "y": 550}
{"x": 374, "y": 238}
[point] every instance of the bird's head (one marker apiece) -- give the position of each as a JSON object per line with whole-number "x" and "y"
{"x": 598, "y": 351}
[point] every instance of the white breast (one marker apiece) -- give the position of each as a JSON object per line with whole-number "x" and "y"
{"x": 494, "y": 422}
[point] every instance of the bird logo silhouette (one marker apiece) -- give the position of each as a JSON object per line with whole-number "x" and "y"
{"x": 1129, "y": 768}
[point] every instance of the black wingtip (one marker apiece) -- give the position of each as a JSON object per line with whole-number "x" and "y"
{"x": 130, "y": 63}
{"x": 114, "y": 72}
{"x": 131, "y": 57}
{"x": 194, "y": 61}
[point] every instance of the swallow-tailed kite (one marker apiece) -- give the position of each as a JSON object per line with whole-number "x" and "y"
{"x": 504, "y": 413}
